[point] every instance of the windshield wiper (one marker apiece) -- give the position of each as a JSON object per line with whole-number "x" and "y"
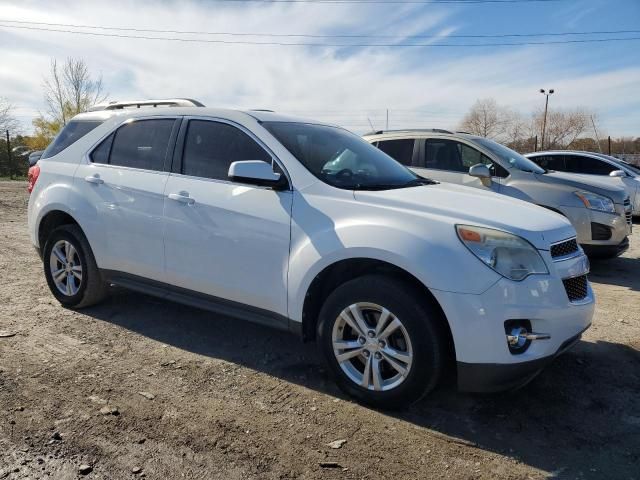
{"x": 416, "y": 182}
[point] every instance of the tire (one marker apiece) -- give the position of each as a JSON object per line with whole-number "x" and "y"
{"x": 423, "y": 355}
{"x": 85, "y": 291}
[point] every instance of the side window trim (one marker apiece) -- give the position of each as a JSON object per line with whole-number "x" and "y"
{"x": 415, "y": 156}
{"x": 112, "y": 133}
{"x": 176, "y": 164}
{"x": 422, "y": 152}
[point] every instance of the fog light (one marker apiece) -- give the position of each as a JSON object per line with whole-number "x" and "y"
{"x": 519, "y": 335}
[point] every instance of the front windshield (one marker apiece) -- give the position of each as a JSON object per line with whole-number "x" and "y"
{"x": 511, "y": 158}
{"x": 340, "y": 158}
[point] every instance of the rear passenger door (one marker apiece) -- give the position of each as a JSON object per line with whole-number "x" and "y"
{"x": 449, "y": 161}
{"x": 124, "y": 178}
{"x": 225, "y": 239}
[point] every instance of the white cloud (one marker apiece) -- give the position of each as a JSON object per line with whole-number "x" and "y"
{"x": 421, "y": 86}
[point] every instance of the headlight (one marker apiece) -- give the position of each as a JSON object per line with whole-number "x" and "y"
{"x": 593, "y": 201}
{"x": 509, "y": 255}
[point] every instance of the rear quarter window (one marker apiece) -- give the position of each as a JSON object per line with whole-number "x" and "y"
{"x": 70, "y": 134}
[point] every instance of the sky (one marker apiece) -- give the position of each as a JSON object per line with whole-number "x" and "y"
{"x": 353, "y": 86}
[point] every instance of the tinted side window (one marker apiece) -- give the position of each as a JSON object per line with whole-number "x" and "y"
{"x": 551, "y": 162}
{"x": 101, "y": 153}
{"x": 70, "y": 134}
{"x": 400, "y": 150}
{"x": 592, "y": 166}
{"x": 443, "y": 155}
{"x": 142, "y": 144}
{"x": 211, "y": 147}
{"x": 471, "y": 156}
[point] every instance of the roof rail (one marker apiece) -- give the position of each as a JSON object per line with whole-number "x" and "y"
{"x": 169, "y": 102}
{"x": 431, "y": 130}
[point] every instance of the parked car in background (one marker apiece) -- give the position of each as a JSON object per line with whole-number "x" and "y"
{"x": 20, "y": 151}
{"x": 34, "y": 157}
{"x": 599, "y": 211}
{"x": 307, "y": 227}
{"x": 591, "y": 163}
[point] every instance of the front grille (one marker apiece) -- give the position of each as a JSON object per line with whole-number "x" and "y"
{"x": 576, "y": 287}
{"x": 627, "y": 211}
{"x": 565, "y": 248}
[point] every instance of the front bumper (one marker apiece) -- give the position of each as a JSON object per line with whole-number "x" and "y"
{"x": 477, "y": 323}
{"x": 496, "y": 377}
{"x": 606, "y": 251}
{"x": 581, "y": 218}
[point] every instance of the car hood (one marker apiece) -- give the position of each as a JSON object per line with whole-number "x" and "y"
{"x": 602, "y": 186}
{"x": 471, "y": 206}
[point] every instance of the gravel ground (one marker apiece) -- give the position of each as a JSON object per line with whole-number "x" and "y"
{"x": 142, "y": 387}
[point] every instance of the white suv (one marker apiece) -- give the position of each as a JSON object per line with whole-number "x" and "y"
{"x": 309, "y": 228}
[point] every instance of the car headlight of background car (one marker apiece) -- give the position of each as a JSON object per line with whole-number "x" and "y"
{"x": 593, "y": 201}
{"x": 509, "y": 255}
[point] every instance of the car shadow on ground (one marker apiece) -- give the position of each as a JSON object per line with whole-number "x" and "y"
{"x": 621, "y": 271}
{"x": 578, "y": 419}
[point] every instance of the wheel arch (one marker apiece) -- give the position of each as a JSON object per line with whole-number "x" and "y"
{"x": 341, "y": 271}
{"x": 52, "y": 220}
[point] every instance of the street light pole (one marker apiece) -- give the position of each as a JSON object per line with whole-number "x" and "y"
{"x": 546, "y": 107}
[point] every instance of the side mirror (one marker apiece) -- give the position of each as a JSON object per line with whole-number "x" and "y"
{"x": 482, "y": 172}
{"x": 257, "y": 172}
{"x": 617, "y": 173}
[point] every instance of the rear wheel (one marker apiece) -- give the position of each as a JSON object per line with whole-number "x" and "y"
{"x": 71, "y": 270}
{"x": 382, "y": 341}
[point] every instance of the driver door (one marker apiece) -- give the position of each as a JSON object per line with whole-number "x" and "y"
{"x": 222, "y": 238}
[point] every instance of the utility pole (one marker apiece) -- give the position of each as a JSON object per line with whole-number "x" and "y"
{"x": 535, "y": 145}
{"x": 596, "y": 132}
{"x": 9, "y": 156}
{"x": 387, "y": 127}
{"x": 546, "y": 107}
{"x": 609, "y": 144}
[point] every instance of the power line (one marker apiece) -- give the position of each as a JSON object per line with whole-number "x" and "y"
{"x": 247, "y": 34}
{"x": 392, "y": 45}
{"x": 419, "y": 2}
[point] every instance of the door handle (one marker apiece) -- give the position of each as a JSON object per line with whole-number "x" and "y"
{"x": 94, "y": 179}
{"x": 182, "y": 197}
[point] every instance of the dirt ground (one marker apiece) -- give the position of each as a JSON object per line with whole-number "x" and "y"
{"x": 224, "y": 399}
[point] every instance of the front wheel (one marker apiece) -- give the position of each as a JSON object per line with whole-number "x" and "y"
{"x": 382, "y": 341}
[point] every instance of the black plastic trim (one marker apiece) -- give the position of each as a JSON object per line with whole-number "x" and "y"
{"x": 496, "y": 377}
{"x": 202, "y": 301}
{"x": 606, "y": 251}
{"x": 600, "y": 231}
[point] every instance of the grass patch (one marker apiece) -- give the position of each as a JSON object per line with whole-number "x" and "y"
{"x": 15, "y": 179}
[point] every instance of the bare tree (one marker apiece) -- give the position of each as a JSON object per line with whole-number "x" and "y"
{"x": 485, "y": 118}
{"x": 514, "y": 128}
{"x": 563, "y": 126}
{"x": 7, "y": 120}
{"x": 70, "y": 90}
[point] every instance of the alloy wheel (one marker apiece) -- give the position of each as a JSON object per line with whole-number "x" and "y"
{"x": 65, "y": 268}
{"x": 372, "y": 346}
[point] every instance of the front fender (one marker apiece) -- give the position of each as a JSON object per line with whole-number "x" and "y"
{"x": 438, "y": 264}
